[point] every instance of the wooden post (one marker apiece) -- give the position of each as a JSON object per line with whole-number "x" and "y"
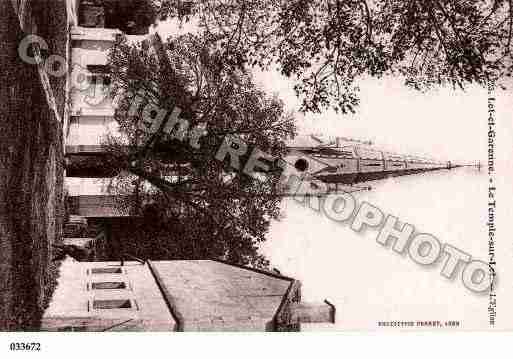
{"x": 313, "y": 312}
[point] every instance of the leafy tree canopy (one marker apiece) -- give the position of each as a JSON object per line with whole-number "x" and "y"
{"x": 326, "y": 45}
{"x": 196, "y": 206}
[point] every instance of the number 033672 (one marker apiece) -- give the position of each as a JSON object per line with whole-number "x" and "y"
{"x": 35, "y": 347}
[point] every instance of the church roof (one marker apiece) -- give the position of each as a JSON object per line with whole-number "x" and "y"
{"x": 206, "y": 294}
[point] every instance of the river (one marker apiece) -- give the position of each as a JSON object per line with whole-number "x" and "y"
{"x": 368, "y": 282}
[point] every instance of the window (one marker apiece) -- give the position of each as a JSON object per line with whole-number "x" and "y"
{"x": 393, "y": 157}
{"x": 415, "y": 159}
{"x": 70, "y": 328}
{"x": 99, "y": 69}
{"x": 347, "y": 154}
{"x": 106, "y": 270}
{"x": 301, "y": 165}
{"x": 184, "y": 8}
{"x": 108, "y": 285}
{"x": 131, "y": 17}
{"x": 369, "y": 154}
{"x": 99, "y": 75}
{"x": 112, "y": 304}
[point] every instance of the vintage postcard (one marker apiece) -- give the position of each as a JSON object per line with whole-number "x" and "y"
{"x": 250, "y": 166}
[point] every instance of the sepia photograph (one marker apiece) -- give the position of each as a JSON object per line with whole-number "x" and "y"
{"x": 334, "y": 166}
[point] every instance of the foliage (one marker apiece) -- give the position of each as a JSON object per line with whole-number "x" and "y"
{"x": 325, "y": 46}
{"x": 142, "y": 13}
{"x": 195, "y": 206}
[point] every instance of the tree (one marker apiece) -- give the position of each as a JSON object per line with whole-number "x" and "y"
{"x": 325, "y": 46}
{"x": 193, "y": 205}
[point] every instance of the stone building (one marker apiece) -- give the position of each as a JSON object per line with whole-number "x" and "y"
{"x": 103, "y": 295}
{"x": 182, "y": 295}
{"x": 95, "y": 24}
{"x": 91, "y": 111}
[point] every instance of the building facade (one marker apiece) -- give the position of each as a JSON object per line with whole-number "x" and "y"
{"x": 182, "y": 295}
{"x": 89, "y": 119}
{"x": 91, "y": 110}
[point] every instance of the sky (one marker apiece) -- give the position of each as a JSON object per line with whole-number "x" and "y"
{"x": 444, "y": 123}
{"x": 366, "y": 282}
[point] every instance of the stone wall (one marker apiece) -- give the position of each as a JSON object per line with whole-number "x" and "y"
{"x": 31, "y": 171}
